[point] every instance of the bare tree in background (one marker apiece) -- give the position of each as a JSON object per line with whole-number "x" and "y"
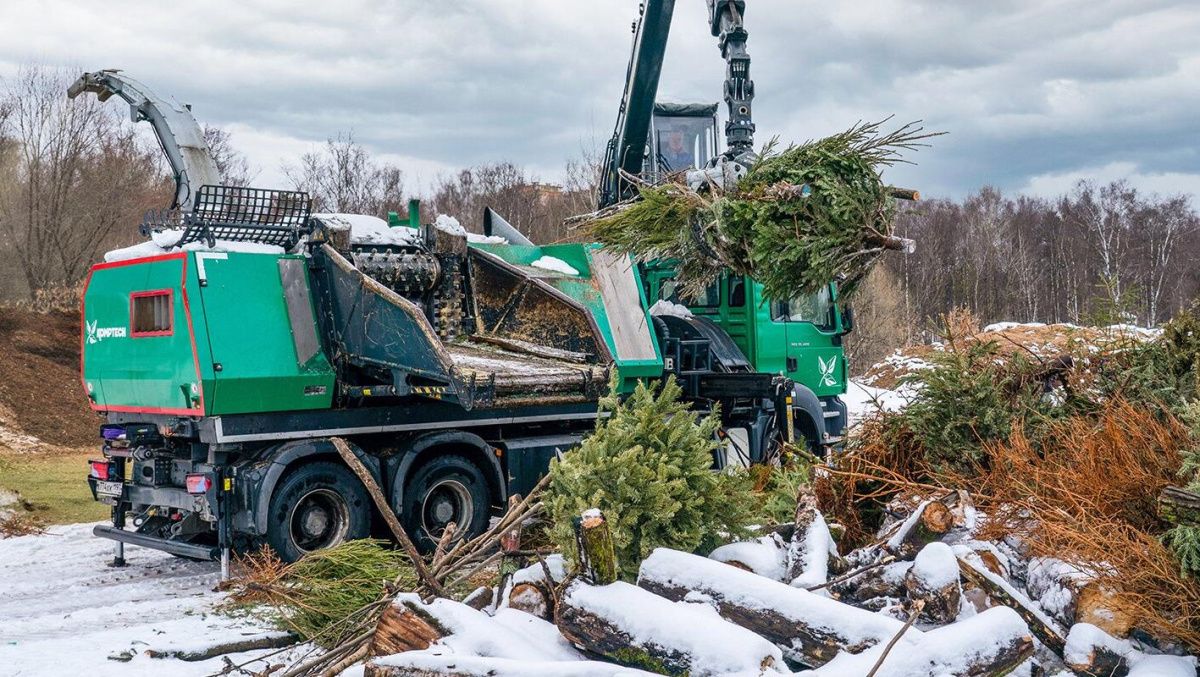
{"x": 343, "y": 177}
{"x": 1163, "y": 226}
{"x": 234, "y": 168}
{"x": 76, "y": 181}
{"x": 535, "y": 208}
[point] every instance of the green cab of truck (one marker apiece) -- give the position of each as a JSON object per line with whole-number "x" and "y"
{"x": 800, "y": 339}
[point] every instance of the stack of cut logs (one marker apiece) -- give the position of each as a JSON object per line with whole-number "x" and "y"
{"x": 925, "y": 599}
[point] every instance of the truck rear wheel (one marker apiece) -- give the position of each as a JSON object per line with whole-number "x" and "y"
{"x": 448, "y": 489}
{"x": 316, "y": 506}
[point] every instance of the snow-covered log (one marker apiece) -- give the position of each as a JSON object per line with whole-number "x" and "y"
{"x": 811, "y": 629}
{"x": 812, "y": 553}
{"x": 532, "y": 591}
{"x": 533, "y": 599}
{"x": 463, "y": 630}
{"x": 428, "y": 664}
{"x": 885, "y": 580}
{"x": 933, "y": 580}
{"x": 633, "y": 627}
{"x": 1056, "y": 585}
{"x": 765, "y": 556}
{"x": 928, "y": 522}
{"x": 1004, "y": 594}
{"x": 1093, "y": 652}
{"x": 992, "y": 643}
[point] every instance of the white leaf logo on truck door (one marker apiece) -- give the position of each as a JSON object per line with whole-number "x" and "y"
{"x": 827, "y": 368}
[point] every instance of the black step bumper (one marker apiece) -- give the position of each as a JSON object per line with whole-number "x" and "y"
{"x": 203, "y": 552}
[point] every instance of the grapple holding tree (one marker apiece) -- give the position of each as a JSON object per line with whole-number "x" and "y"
{"x": 795, "y": 220}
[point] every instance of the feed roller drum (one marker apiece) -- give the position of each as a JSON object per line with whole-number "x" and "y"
{"x": 406, "y": 273}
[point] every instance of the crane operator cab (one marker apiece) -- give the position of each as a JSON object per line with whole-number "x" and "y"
{"x": 683, "y": 136}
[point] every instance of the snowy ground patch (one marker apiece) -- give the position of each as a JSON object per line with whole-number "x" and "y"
{"x": 65, "y": 611}
{"x": 863, "y": 401}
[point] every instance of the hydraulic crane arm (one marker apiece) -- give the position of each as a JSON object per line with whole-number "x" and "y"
{"x": 627, "y": 148}
{"x": 626, "y": 153}
{"x": 178, "y": 133}
{"x": 726, "y": 18}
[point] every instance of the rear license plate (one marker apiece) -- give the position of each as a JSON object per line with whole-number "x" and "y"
{"x": 112, "y": 489}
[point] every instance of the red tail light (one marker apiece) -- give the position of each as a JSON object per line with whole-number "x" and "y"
{"x": 199, "y": 483}
{"x": 99, "y": 469}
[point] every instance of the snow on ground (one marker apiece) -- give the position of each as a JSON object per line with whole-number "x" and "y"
{"x": 64, "y": 611}
{"x": 862, "y": 400}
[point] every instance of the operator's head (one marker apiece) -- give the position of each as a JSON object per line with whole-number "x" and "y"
{"x": 675, "y": 142}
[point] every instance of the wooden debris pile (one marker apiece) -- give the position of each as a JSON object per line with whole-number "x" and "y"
{"x": 925, "y": 599}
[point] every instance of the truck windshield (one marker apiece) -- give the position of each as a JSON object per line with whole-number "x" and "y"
{"x": 816, "y": 309}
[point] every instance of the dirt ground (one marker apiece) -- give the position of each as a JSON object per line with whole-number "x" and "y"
{"x": 47, "y": 431}
{"x": 40, "y": 390}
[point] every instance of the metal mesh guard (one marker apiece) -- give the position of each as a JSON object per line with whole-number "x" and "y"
{"x": 273, "y": 217}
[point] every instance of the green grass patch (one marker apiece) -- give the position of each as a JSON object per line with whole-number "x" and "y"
{"x": 56, "y": 486}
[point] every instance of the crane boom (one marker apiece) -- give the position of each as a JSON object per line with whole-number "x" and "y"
{"x": 726, "y": 18}
{"x": 178, "y": 132}
{"x": 627, "y": 148}
{"x": 626, "y": 152}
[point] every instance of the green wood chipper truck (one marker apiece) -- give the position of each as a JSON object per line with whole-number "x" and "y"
{"x": 225, "y": 362}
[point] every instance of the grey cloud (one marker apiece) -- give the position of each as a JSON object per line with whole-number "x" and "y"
{"x": 1026, "y": 87}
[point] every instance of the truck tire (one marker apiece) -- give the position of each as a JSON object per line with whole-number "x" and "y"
{"x": 446, "y": 489}
{"x": 316, "y": 506}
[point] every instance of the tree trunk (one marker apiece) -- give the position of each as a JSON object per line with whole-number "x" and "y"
{"x": 1179, "y": 506}
{"x": 636, "y": 628}
{"x": 811, "y": 554}
{"x": 811, "y": 629}
{"x": 1003, "y": 594}
{"x": 597, "y": 553}
{"x": 481, "y": 598}
{"x": 1094, "y": 653}
{"x": 404, "y": 628}
{"x": 533, "y": 599}
{"x": 933, "y": 580}
{"x": 929, "y": 522}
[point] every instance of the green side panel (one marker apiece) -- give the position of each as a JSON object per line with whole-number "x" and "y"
{"x": 628, "y": 336}
{"x": 140, "y": 372}
{"x": 253, "y": 352}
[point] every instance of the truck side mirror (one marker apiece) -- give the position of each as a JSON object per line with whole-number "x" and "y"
{"x": 847, "y": 320}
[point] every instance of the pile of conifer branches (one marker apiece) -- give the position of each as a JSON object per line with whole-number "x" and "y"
{"x": 796, "y": 220}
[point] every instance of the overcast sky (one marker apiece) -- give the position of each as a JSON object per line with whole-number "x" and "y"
{"x": 1035, "y": 94}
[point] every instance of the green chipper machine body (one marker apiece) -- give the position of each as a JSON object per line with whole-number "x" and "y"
{"x": 243, "y": 353}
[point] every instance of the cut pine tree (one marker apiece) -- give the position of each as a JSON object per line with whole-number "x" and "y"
{"x": 798, "y": 219}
